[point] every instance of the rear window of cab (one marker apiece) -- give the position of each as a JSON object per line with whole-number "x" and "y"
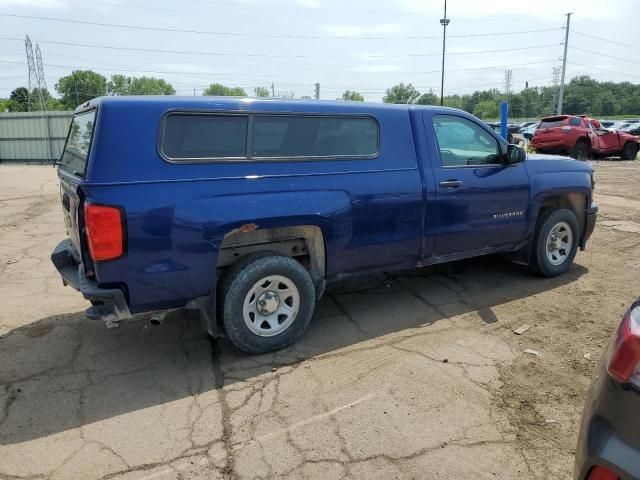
{"x": 561, "y": 121}
{"x": 76, "y": 149}
{"x": 209, "y": 137}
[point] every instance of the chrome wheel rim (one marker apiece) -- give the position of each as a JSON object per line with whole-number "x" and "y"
{"x": 559, "y": 243}
{"x": 271, "y": 305}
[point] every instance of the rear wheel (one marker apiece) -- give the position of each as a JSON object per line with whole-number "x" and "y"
{"x": 629, "y": 151}
{"x": 581, "y": 150}
{"x": 268, "y": 301}
{"x": 555, "y": 243}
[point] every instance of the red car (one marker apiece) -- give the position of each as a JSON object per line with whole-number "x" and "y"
{"x": 583, "y": 137}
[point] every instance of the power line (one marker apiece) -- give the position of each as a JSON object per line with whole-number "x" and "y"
{"x": 182, "y": 72}
{"x": 255, "y": 5}
{"x": 269, "y": 55}
{"x": 601, "y": 22}
{"x": 606, "y": 40}
{"x": 603, "y": 69}
{"x": 269, "y": 6}
{"x": 604, "y": 55}
{"x": 261, "y": 35}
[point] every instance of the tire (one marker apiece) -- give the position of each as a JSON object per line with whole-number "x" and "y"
{"x": 563, "y": 225}
{"x": 581, "y": 150}
{"x": 288, "y": 299}
{"x": 629, "y": 151}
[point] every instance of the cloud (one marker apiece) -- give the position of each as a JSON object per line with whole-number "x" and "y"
{"x": 380, "y": 68}
{"x": 358, "y": 31}
{"x": 539, "y": 8}
{"x": 50, "y": 4}
{"x": 309, "y": 3}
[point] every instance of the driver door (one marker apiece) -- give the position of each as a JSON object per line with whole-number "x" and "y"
{"x": 479, "y": 202}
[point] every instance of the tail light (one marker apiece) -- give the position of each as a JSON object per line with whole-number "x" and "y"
{"x": 601, "y": 473}
{"x": 104, "y": 227}
{"x": 624, "y": 363}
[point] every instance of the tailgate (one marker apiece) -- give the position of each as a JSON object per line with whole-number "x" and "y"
{"x": 551, "y": 126}
{"x": 70, "y": 205}
{"x": 549, "y": 133}
{"x": 71, "y": 170}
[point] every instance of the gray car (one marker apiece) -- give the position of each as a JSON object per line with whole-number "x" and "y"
{"x": 609, "y": 440}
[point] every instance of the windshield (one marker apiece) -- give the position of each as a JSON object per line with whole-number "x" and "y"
{"x": 76, "y": 150}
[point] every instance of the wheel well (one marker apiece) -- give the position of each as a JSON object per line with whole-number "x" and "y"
{"x": 575, "y": 202}
{"x": 584, "y": 139}
{"x": 304, "y": 243}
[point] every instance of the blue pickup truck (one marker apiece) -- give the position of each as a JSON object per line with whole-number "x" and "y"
{"x": 243, "y": 209}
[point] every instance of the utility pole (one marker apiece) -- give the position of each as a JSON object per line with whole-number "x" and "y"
{"x": 444, "y": 22}
{"x": 42, "y": 90}
{"x": 507, "y": 86}
{"x": 273, "y": 90}
{"x": 507, "y": 82}
{"x": 31, "y": 65}
{"x": 36, "y": 74}
{"x": 552, "y": 103}
{"x": 317, "y": 91}
{"x": 564, "y": 64}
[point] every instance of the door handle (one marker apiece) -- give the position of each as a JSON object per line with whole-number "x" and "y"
{"x": 451, "y": 183}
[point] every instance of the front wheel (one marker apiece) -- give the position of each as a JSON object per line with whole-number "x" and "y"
{"x": 555, "y": 243}
{"x": 268, "y": 302}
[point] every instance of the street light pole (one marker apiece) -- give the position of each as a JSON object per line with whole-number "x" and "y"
{"x": 444, "y": 22}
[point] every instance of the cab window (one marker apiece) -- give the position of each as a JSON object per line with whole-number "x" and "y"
{"x": 462, "y": 142}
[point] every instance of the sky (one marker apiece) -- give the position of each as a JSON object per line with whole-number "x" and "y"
{"x": 361, "y": 45}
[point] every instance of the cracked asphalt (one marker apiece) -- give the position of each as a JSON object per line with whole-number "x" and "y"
{"x": 406, "y": 375}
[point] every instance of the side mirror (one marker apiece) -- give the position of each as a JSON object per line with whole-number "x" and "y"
{"x": 515, "y": 154}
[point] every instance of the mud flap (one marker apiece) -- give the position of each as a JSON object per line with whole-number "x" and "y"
{"x": 208, "y": 316}
{"x": 522, "y": 256}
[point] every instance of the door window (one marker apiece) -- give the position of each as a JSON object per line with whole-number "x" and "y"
{"x": 463, "y": 142}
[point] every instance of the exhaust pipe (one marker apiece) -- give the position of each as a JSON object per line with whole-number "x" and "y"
{"x": 157, "y": 318}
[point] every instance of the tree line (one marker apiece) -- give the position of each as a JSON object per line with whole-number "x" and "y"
{"x": 582, "y": 95}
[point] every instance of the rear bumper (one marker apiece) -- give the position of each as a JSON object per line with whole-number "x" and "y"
{"x": 107, "y": 303}
{"x": 608, "y": 434}
{"x": 551, "y": 144}
{"x": 589, "y": 224}
{"x": 603, "y": 446}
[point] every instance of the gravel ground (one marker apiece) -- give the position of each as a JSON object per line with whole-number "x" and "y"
{"x": 411, "y": 375}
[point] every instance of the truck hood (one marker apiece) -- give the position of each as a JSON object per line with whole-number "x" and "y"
{"x": 553, "y": 163}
